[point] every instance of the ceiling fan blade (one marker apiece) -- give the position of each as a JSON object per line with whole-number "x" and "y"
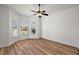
{"x": 34, "y": 11}
{"x": 45, "y": 14}
{"x": 43, "y": 11}
{"x": 34, "y": 14}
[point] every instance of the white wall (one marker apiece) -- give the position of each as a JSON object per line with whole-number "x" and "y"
{"x": 4, "y": 28}
{"x": 62, "y": 27}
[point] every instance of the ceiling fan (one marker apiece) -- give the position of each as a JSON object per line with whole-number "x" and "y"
{"x": 40, "y": 12}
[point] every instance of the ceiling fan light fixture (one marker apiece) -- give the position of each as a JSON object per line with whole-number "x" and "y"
{"x": 39, "y": 14}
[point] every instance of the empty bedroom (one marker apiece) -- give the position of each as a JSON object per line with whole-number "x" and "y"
{"x": 39, "y": 29}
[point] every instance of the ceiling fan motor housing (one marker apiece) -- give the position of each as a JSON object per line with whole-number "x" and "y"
{"x": 39, "y": 11}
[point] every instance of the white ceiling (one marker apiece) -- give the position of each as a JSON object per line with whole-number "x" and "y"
{"x": 50, "y": 8}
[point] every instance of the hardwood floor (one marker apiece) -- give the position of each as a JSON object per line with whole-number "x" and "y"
{"x": 38, "y": 47}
